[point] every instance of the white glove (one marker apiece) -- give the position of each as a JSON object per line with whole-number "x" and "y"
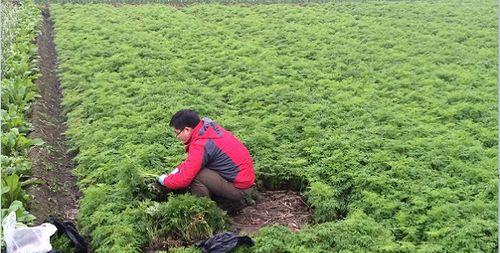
{"x": 161, "y": 179}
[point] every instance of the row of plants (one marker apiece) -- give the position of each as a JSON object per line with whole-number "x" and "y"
{"x": 8, "y": 23}
{"x": 20, "y": 23}
{"x": 188, "y": 2}
{"x": 383, "y": 113}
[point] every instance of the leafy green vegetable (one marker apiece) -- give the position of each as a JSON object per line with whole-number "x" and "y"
{"x": 19, "y": 26}
{"x": 383, "y": 113}
{"x": 184, "y": 217}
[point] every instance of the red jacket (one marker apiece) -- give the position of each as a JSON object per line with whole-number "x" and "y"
{"x": 211, "y": 146}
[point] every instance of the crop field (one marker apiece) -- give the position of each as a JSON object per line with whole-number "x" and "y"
{"x": 19, "y": 25}
{"x": 382, "y": 114}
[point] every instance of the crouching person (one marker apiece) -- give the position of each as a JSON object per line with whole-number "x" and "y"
{"x": 218, "y": 165}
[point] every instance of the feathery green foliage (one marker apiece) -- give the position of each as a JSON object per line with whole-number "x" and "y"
{"x": 185, "y": 218}
{"x": 391, "y": 106}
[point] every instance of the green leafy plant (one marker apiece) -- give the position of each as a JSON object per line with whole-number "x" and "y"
{"x": 15, "y": 165}
{"x": 14, "y": 143}
{"x": 13, "y": 118}
{"x": 23, "y": 217}
{"x": 19, "y": 26}
{"x": 62, "y": 243}
{"x": 184, "y": 217}
{"x": 323, "y": 199}
{"x": 12, "y": 191}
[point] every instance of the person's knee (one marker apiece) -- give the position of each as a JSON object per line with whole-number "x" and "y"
{"x": 202, "y": 176}
{"x": 199, "y": 189}
{"x": 199, "y": 185}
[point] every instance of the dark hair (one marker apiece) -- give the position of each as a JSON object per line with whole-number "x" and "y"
{"x": 184, "y": 118}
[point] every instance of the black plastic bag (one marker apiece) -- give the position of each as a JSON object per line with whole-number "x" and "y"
{"x": 65, "y": 227}
{"x": 223, "y": 242}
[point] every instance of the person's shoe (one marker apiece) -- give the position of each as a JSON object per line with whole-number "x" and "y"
{"x": 251, "y": 196}
{"x": 235, "y": 207}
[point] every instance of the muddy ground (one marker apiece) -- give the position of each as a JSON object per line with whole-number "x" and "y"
{"x": 52, "y": 163}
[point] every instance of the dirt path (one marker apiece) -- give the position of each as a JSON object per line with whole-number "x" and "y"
{"x": 284, "y": 207}
{"x": 52, "y": 164}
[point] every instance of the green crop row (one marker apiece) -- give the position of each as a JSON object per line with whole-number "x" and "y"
{"x": 10, "y": 19}
{"x": 189, "y": 2}
{"x": 20, "y": 24}
{"x": 384, "y": 115}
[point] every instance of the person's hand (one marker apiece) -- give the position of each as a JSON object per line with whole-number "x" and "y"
{"x": 161, "y": 179}
{"x": 159, "y": 191}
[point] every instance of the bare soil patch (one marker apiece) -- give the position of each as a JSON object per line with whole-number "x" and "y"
{"x": 284, "y": 207}
{"x": 58, "y": 194}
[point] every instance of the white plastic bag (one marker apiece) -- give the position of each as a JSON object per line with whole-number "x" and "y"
{"x": 26, "y": 240}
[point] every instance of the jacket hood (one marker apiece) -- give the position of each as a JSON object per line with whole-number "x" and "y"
{"x": 206, "y": 129}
